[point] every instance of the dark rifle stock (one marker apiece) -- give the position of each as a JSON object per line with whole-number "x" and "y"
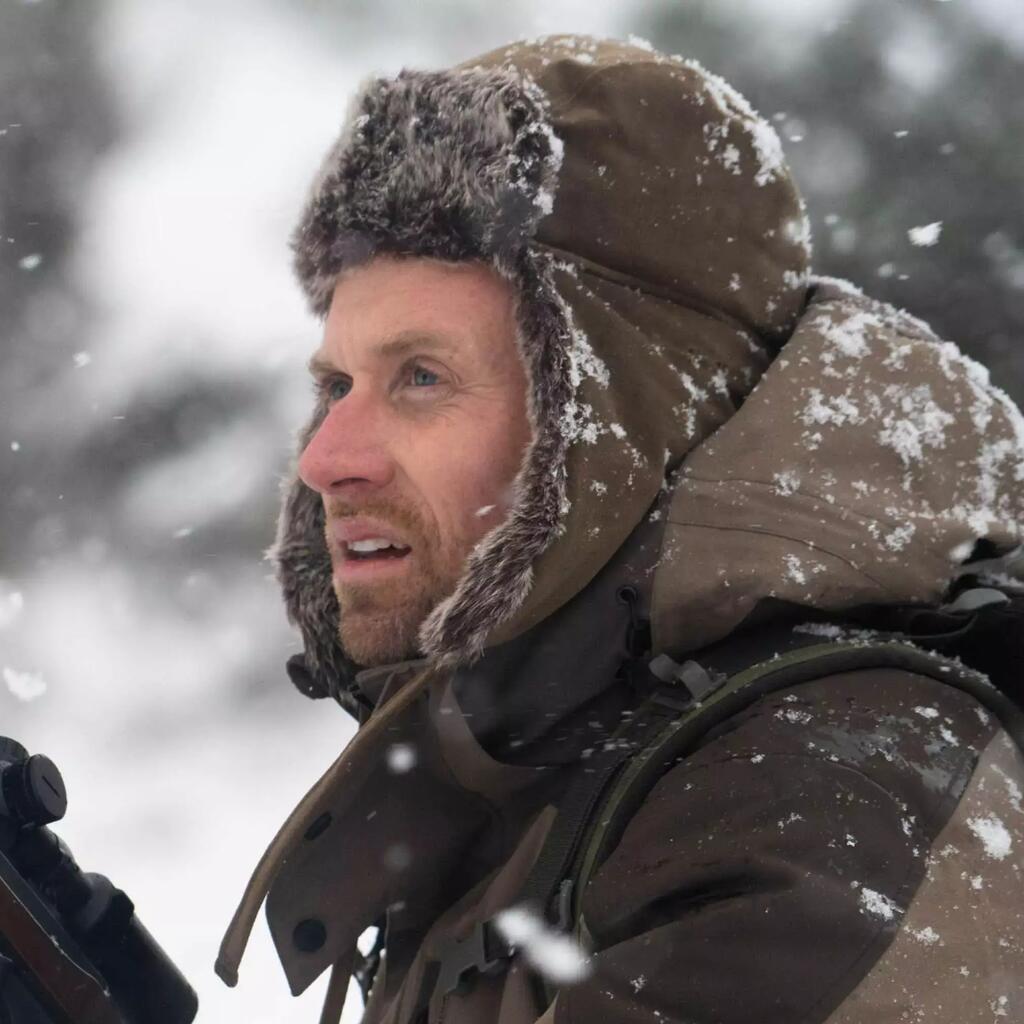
{"x": 47, "y": 962}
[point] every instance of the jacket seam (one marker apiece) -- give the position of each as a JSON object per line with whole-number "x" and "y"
{"x": 786, "y": 536}
{"x": 621, "y": 279}
{"x": 802, "y": 492}
{"x": 808, "y": 1019}
{"x": 805, "y": 757}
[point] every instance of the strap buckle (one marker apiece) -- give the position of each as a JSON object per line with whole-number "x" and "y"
{"x": 691, "y": 683}
{"x": 482, "y": 951}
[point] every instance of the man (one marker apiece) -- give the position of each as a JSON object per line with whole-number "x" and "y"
{"x": 424, "y": 429}
{"x": 580, "y": 405}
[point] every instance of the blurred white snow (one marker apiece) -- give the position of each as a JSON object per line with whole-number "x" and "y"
{"x": 180, "y": 766}
{"x": 176, "y": 784}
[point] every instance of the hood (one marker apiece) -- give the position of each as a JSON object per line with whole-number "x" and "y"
{"x": 658, "y": 248}
{"x": 757, "y": 435}
{"x": 872, "y": 464}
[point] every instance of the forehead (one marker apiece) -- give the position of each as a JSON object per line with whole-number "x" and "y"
{"x": 390, "y": 305}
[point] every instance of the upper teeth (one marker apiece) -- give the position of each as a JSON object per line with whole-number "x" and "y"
{"x": 372, "y": 544}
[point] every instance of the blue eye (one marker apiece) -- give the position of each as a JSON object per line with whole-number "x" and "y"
{"x": 422, "y": 377}
{"x": 337, "y": 387}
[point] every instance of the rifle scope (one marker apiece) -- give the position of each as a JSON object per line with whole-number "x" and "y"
{"x": 72, "y": 950}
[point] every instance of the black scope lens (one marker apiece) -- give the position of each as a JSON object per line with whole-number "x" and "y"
{"x": 32, "y": 791}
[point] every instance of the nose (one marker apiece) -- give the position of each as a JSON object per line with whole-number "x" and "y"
{"x": 348, "y": 455}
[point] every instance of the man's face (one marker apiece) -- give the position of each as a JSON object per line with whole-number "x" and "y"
{"x": 425, "y": 432}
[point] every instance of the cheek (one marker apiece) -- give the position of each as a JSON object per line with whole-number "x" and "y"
{"x": 489, "y": 464}
{"x": 462, "y": 469}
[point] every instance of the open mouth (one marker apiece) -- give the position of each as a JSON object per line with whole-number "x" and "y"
{"x": 374, "y": 549}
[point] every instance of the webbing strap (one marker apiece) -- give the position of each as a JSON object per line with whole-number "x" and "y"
{"x": 597, "y": 805}
{"x": 484, "y": 950}
{"x": 581, "y": 799}
{"x": 801, "y": 664}
{"x": 686, "y": 702}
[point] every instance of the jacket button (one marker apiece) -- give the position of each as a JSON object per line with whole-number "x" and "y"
{"x": 309, "y": 935}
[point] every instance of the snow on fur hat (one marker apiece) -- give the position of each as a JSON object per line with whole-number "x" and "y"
{"x": 657, "y": 245}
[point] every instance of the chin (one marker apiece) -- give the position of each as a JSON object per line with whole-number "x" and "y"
{"x": 371, "y": 640}
{"x": 380, "y": 623}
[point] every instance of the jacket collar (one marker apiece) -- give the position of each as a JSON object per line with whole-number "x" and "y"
{"x": 487, "y": 742}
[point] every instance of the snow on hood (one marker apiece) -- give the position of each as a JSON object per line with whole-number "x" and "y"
{"x": 643, "y": 214}
{"x": 870, "y": 465}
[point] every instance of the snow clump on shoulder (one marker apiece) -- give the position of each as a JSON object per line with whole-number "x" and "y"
{"x": 993, "y": 834}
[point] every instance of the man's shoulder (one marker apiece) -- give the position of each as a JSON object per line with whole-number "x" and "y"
{"x": 842, "y": 831}
{"x": 910, "y": 736}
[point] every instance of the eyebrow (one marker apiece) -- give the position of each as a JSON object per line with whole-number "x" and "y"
{"x": 401, "y": 344}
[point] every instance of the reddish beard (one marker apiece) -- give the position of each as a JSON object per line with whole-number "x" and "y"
{"x": 379, "y": 620}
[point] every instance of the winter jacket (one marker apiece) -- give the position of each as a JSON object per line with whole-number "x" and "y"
{"x": 739, "y": 443}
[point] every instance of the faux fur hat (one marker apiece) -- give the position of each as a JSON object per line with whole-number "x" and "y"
{"x": 658, "y": 248}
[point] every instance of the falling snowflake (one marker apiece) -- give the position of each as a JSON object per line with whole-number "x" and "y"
{"x": 26, "y": 686}
{"x": 555, "y": 955}
{"x": 925, "y": 234}
{"x": 401, "y": 758}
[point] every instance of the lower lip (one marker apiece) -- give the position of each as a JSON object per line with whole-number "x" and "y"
{"x": 347, "y": 569}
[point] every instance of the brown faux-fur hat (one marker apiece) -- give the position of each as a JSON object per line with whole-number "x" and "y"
{"x": 658, "y": 247}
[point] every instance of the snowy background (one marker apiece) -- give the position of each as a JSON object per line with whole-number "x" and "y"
{"x": 153, "y": 156}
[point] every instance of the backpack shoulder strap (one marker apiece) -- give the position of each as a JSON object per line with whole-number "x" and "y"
{"x": 682, "y": 703}
{"x": 690, "y": 700}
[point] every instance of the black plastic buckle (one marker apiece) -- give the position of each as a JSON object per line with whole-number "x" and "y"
{"x": 483, "y": 951}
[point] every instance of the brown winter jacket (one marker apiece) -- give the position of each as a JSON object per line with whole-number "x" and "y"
{"x": 730, "y": 438}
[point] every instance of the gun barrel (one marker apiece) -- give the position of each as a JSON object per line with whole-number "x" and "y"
{"x": 145, "y": 982}
{"x": 60, "y": 983}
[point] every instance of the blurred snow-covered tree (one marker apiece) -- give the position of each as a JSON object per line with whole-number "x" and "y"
{"x": 894, "y": 116}
{"x": 56, "y": 120}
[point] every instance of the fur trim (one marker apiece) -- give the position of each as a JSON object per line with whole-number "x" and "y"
{"x": 304, "y": 571}
{"x": 454, "y": 165}
{"x": 457, "y": 165}
{"x": 500, "y": 570}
